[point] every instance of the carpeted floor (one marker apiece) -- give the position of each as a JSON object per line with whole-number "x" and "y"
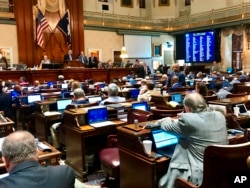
{"x": 94, "y": 180}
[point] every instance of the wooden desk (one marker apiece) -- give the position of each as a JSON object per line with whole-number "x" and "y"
{"x": 137, "y": 169}
{"x": 45, "y": 158}
{"x": 84, "y": 140}
{"x": 6, "y": 127}
{"x": 73, "y": 63}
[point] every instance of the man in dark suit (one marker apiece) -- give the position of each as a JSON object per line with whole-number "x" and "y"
{"x": 19, "y": 154}
{"x": 93, "y": 61}
{"x": 68, "y": 56}
{"x": 3, "y": 60}
{"x": 83, "y": 58}
{"x": 6, "y": 104}
{"x": 174, "y": 84}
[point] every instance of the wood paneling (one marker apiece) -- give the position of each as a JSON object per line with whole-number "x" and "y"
{"x": 55, "y": 42}
{"x": 81, "y": 74}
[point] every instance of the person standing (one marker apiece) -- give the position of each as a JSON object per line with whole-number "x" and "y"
{"x": 3, "y": 60}
{"x": 93, "y": 61}
{"x": 68, "y": 56}
{"x": 83, "y": 59}
{"x": 196, "y": 129}
{"x": 176, "y": 72}
{"x": 19, "y": 154}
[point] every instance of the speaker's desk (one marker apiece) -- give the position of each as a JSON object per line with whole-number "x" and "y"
{"x": 82, "y": 139}
{"x": 137, "y": 169}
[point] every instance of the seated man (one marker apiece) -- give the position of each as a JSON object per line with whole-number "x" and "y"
{"x": 220, "y": 91}
{"x": 196, "y": 129}
{"x": 174, "y": 84}
{"x": 79, "y": 97}
{"x": 113, "y": 94}
{"x": 19, "y": 154}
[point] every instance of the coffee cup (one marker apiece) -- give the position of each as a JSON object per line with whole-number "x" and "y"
{"x": 147, "y": 146}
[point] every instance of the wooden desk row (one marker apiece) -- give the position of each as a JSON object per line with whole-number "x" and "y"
{"x": 79, "y": 73}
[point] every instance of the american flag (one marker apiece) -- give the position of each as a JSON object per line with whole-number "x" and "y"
{"x": 42, "y": 24}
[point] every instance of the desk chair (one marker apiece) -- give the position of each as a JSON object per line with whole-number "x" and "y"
{"x": 162, "y": 113}
{"x": 210, "y": 98}
{"x": 222, "y": 164}
{"x": 159, "y": 100}
{"x": 109, "y": 157}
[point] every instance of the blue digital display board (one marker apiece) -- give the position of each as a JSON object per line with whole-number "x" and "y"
{"x": 200, "y": 47}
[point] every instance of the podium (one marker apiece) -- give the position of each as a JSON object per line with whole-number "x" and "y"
{"x": 74, "y": 63}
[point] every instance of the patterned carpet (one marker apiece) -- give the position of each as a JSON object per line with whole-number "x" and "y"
{"x": 94, "y": 180}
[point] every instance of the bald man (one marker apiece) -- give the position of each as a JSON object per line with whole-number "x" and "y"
{"x": 174, "y": 84}
{"x": 19, "y": 154}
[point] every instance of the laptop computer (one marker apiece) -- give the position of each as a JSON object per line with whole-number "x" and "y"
{"x": 62, "y": 104}
{"x": 98, "y": 117}
{"x": 33, "y": 97}
{"x": 93, "y": 99}
{"x": 134, "y": 93}
{"x": 243, "y": 109}
{"x": 163, "y": 142}
{"x": 64, "y": 87}
{"x": 177, "y": 97}
{"x": 141, "y": 106}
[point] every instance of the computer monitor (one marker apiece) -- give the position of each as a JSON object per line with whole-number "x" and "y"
{"x": 64, "y": 86}
{"x": 34, "y": 97}
{"x": 177, "y": 97}
{"x": 47, "y": 66}
{"x": 62, "y": 104}
{"x": 97, "y": 115}
{"x": 50, "y": 83}
{"x": 134, "y": 93}
{"x": 141, "y": 106}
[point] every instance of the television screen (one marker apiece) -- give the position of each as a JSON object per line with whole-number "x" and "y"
{"x": 200, "y": 47}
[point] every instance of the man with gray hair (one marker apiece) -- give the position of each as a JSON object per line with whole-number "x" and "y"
{"x": 196, "y": 129}
{"x": 113, "y": 95}
{"x": 19, "y": 154}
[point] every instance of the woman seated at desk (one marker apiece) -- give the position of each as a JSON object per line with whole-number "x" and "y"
{"x": 45, "y": 60}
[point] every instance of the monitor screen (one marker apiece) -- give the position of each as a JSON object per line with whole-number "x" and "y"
{"x": 200, "y": 46}
{"x": 97, "y": 115}
{"x": 14, "y": 94}
{"x": 62, "y": 104}
{"x": 163, "y": 138}
{"x": 50, "y": 83}
{"x": 67, "y": 94}
{"x": 33, "y": 98}
{"x": 134, "y": 93}
{"x": 94, "y": 99}
{"x": 177, "y": 97}
{"x": 64, "y": 86}
{"x": 47, "y": 66}
{"x": 141, "y": 106}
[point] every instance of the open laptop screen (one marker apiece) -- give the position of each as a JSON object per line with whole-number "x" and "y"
{"x": 94, "y": 99}
{"x": 97, "y": 115}
{"x": 62, "y": 104}
{"x": 32, "y": 98}
{"x": 242, "y": 108}
{"x": 177, "y": 97}
{"x": 140, "y": 106}
{"x": 162, "y": 139}
{"x": 134, "y": 93}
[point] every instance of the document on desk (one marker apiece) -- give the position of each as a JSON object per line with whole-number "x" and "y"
{"x": 52, "y": 113}
{"x": 102, "y": 124}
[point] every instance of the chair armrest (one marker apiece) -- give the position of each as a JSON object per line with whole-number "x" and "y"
{"x": 181, "y": 183}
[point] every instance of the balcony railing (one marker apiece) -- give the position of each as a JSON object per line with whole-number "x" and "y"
{"x": 239, "y": 14}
